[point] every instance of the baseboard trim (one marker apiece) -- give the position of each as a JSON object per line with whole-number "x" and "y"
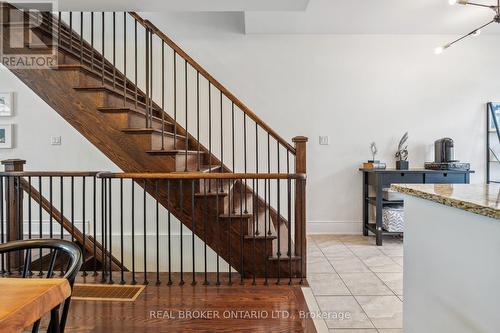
{"x": 334, "y": 227}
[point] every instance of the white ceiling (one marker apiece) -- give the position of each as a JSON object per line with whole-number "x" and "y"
{"x": 182, "y": 5}
{"x": 374, "y": 17}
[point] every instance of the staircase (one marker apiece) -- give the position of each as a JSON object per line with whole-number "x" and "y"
{"x": 150, "y": 108}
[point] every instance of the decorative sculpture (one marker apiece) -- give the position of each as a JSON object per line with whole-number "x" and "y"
{"x": 374, "y": 150}
{"x": 402, "y": 154}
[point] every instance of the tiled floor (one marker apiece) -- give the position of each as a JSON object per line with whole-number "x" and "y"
{"x": 355, "y": 284}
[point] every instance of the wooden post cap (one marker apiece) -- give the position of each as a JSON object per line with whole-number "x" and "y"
{"x": 14, "y": 164}
{"x": 300, "y": 139}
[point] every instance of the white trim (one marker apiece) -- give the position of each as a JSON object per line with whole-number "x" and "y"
{"x": 335, "y": 227}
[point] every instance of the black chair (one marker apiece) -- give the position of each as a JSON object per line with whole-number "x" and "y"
{"x": 56, "y": 247}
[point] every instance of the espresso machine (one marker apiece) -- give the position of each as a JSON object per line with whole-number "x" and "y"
{"x": 444, "y": 151}
{"x": 444, "y": 157}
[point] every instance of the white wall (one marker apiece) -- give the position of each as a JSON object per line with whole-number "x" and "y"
{"x": 355, "y": 89}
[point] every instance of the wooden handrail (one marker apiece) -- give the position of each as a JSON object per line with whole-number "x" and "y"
{"x": 147, "y": 24}
{"x": 49, "y": 173}
{"x": 201, "y": 175}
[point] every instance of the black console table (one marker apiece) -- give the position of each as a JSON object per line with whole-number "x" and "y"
{"x": 381, "y": 179}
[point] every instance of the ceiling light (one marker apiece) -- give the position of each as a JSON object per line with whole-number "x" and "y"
{"x": 475, "y": 32}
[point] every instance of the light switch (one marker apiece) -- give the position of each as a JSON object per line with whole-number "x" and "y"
{"x": 324, "y": 140}
{"x": 55, "y": 140}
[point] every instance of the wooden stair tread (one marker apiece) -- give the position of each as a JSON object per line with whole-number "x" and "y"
{"x": 236, "y": 216}
{"x": 261, "y": 237}
{"x": 174, "y": 152}
{"x": 150, "y": 131}
{"x": 211, "y": 194}
{"x": 284, "y": 257}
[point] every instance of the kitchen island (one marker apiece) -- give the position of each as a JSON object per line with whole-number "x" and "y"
{"x": 451, "y": 258}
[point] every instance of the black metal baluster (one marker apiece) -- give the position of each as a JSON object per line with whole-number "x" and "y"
{"x": 94, "y": 217}
{"x": 254, "y": 208}
{"x": 265, "y": 233}
{"x": 59, "y": 29}
{"x": 230, "y": 282}
{"x": 40, "y": 217}
{"x": 145, "y": 184}
{"x": 110, "y": 210}
{"x": 133, "y": 230}
{"x": 205, "y": 202}
{"x": 61, "y": 180}
{"x": 135, "y": 62}
{"x": 124, "y": 58}
{"x": 218, "y": 238}
{"x": 84, "y": 222}
{"x": 2, "y": 239}
{"x": 163, "y": 94}
{"x": 157, "y": 235}
{"x": 114, "y": 50}
{"x": 147, "y": 76}
{"x": 289, "y": 204}
{"x": 198, "y": 120}
{"x": 71, "y": 31}
{"x": 221, "y": 137}
{"x": 81, "y": 38}
{"x": 193, "y": 232}
{"x": 175, "y": 100}
{"x": 151, "y": 64}
{"x": 122, "y": 264}
{"x": 29, "y": 209}
{"x": 257, "y": 171}
{"x": 8, "y": 179}
{"x": 103, "y": 229}
{"x": 269, "y": 232}
{"x": 242, "y": 237}
{"x": 245, "y": 156}
{"x": 279, "y": 225}
{"x": 92, "y": 40}
{"x": 18, "y": 215}
{"x": 209, "y": 133}
{"x": 72, "y": 208}
{"x": 186, "y": 115}
{"x": 103, "y": 46}
{"x": 181, "y": 232}
{"x": 169, "y": 238}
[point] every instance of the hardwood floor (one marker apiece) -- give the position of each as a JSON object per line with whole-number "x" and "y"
{"x": 236, "y": 308}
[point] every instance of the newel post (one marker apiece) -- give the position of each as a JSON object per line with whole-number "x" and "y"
{"x": 300, "y": 201}
{"x": 13, "y": 196}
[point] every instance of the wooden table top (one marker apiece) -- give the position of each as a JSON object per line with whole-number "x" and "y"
{"x": 24, "y": 301}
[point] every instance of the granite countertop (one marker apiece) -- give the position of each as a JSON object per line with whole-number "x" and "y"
{"x": 480, "y": 199}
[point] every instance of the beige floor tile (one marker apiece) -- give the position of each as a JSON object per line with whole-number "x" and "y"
{"x": 393, "y": 281}
{"x": 327, "y": 284}
{"x": 336, "y": 250}
{"x": 381, "y": 264}
{"x": 313, "y": 250}
{"x": 350, "y": 264}
{"x": 383, "y": 311}
{"x": 353, "y": 330}
{"x": 356, "y": 239}
{"x": 391, "y": 330}
{"x": 364, "y": 251}
{"x": 365, "y": 284}
{"x": 398, "y": 260}
{"x": 319, "y": 265}
{"x": 392, "y": 251}
{"x": 343, "y": 312}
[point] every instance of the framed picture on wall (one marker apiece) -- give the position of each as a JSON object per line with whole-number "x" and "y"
{"x": 6, "y": 136}
{"x": 6, "y": 104}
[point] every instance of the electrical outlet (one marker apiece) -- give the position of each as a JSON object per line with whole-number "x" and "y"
{"x": 55, "y": 140}
{"x": 324, "y": 140}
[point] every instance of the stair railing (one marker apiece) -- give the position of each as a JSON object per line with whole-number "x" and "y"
{"x": 120, "y": 221}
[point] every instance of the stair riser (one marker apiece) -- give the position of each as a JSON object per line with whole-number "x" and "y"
{"x": 136, "y": 120}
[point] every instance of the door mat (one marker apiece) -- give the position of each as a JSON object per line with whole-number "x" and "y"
{"x": 105, "y": 292}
